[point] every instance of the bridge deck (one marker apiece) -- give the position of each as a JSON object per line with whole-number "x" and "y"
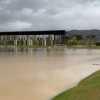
{"x": 51, "y": 32}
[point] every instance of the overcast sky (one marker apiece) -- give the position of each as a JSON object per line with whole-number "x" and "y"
{"x": 49, "y": 14}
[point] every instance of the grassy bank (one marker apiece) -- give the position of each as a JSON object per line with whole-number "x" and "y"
{"x": 87, "y": 89}
{"x": 84, "y": 47}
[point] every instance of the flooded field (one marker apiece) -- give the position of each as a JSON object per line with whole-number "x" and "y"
{"x": 40, "y": 74}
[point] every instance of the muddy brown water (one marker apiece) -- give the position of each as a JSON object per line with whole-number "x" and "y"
{"x": 40, "y": 74}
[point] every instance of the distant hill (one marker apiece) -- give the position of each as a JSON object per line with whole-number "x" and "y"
{"x": 84, "y": 33}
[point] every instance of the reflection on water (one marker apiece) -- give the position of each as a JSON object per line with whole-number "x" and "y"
{"x": 39, "y": 74}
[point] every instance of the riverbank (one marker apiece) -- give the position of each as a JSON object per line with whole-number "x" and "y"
{"x": 87, "y": 89}
{"x": 84, "y": 47}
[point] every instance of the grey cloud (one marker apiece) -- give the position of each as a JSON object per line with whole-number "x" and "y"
{"x": 49, "y": 14}
{"x": 34, "y": 4}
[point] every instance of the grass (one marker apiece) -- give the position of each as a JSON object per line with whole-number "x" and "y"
{"x": 87, "y": 89}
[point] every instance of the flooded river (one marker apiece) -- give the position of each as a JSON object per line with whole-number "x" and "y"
{"x": 40, "y": 74}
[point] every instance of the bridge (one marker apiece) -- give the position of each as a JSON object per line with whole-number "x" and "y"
{"x": 29, "y": 38}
